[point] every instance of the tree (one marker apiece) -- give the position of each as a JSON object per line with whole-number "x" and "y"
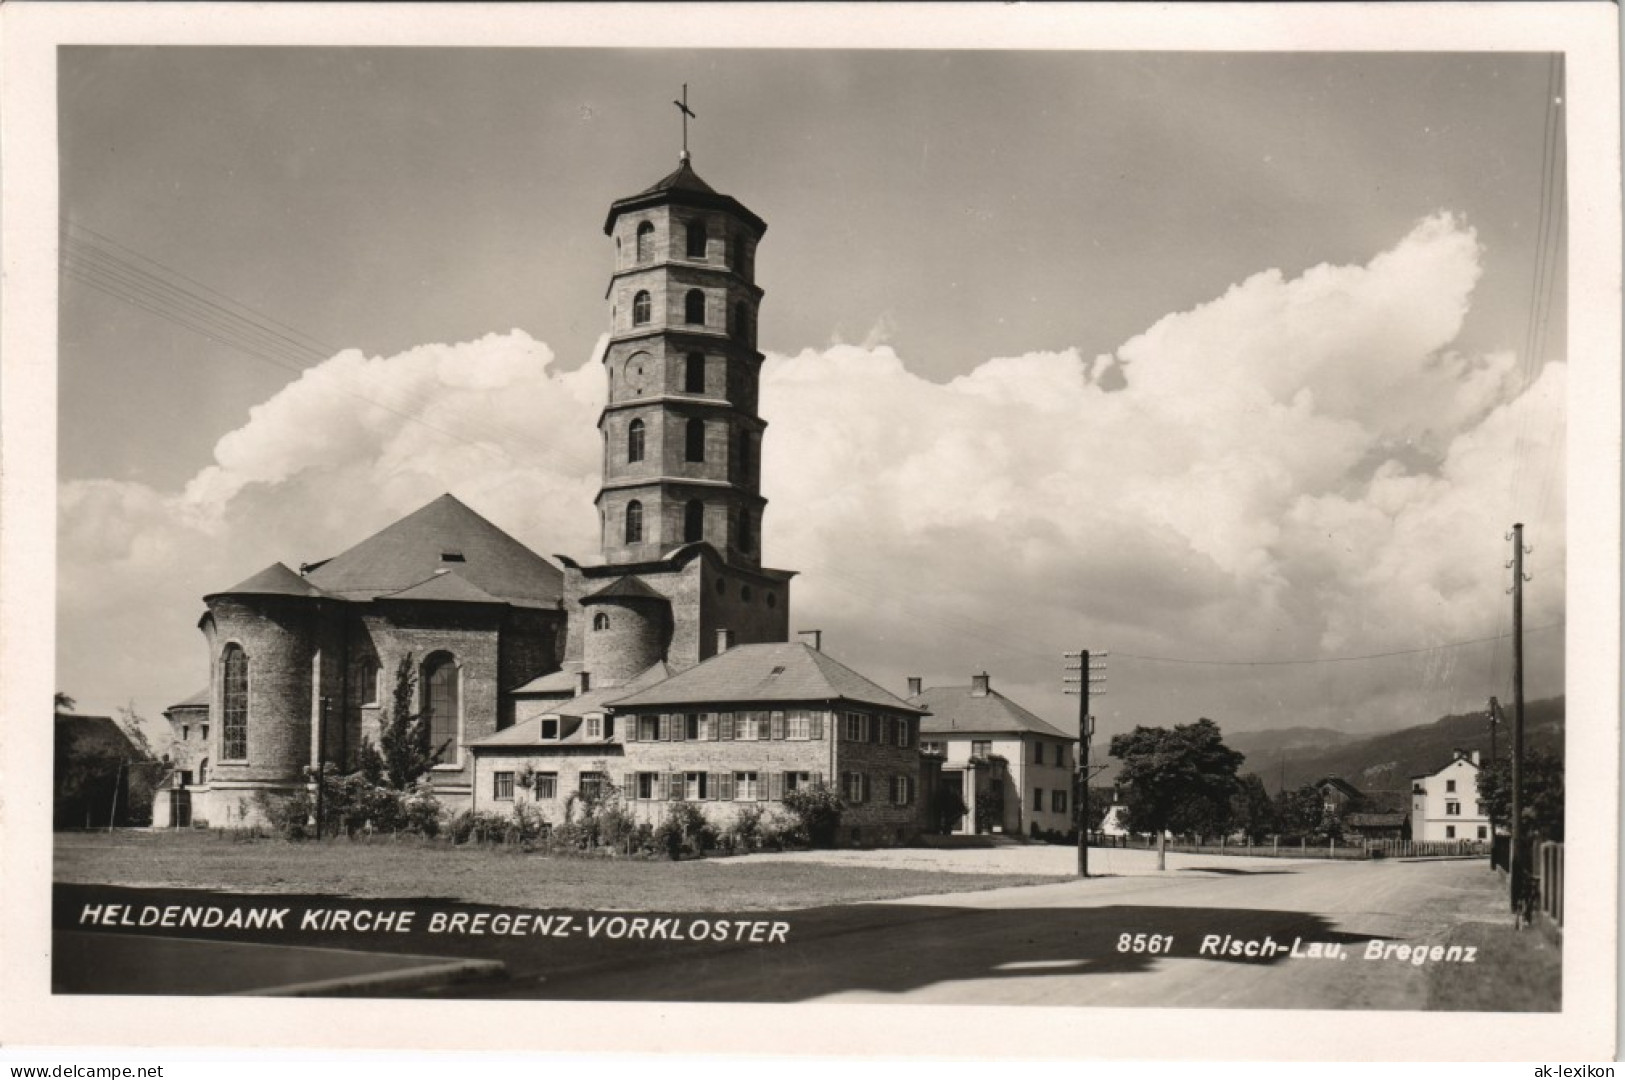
{"x": 1096, "y": 803}
{"x": 1302, "y": 813}
{"x": 403, "y": 753}
{"x": 1542, "y": 794}
{"x": 1178, "y": 779}
{"x": 1251, "y": 809}
{"x": 64, "y": 703}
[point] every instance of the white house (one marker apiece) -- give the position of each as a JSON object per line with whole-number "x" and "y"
{"x": 1444, "y": 804}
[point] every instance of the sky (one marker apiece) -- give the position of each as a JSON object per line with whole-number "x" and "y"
{"x": 1237, "y": 366}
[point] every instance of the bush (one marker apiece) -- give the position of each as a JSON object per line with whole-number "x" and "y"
{"x": 479, "y": 827}
{"x": 746, "y": 829}
{"x": 815, "y": 815}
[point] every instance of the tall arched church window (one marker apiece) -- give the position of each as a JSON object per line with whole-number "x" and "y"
{"x": 646, "y": 242}
{"x": 640, "y": 309}
{"x": 634, "y": 441}
{"x": 234, "y": 703}
{"x": 440, "y": 701}
{"x": 694, "y": 374}
{"x": 634, "y": 522}
{"x": 694, "y": 442}
{"x": 694, "y": 308}
{"x": 696, "y": 239}
{"x": 693, "y": 521}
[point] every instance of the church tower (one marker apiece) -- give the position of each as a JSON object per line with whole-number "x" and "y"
{"x": 680, "y": 503}
{"x": 681, "y": 436}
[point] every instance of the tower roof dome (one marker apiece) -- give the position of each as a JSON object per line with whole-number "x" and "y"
{"x": 682, "y": 187}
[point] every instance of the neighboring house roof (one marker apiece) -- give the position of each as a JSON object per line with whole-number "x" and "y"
{"x": 1386, "y": 802}
{"x": 625, "y": 588}
{"x": 529, "y": 732}
{"x": 781, "y": 671}
{"x": 683, "y": 187}
{"x": 446, "y": 586}
{"x": 77, "y": 733}
{"x": 558, "y": 682}
{"x": 445, "y": 534}
{"x": 199, "y": 700}
{"x": 954, "y": 710}
{"x": 274, "y": 580}
{"x": 1340, "y": 784}
{"x": 1446, "y": 765}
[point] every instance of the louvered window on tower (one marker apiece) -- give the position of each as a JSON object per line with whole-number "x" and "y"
{"x": 694, "y": 443}
{"x": 640, "y": 309}
{"x": 646, "y": 242}
{"x": 694, "y": 308}
{"x": 634, "y": 441}
{"x": 694, "y": 374}
{"x": 696, "y": 239}
{"x": 741, "y": 322}
{"x": 693, "y": 521}
{"x": 634, "y": 522}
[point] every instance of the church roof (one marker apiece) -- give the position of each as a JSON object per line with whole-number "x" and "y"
{"x": 274, "y": 580}
{"x": 625, "y": 588}
{"x": 683, "y": 187}
{"x": 445, "y": 534}
{"x": 954, "y": 709}
{"x": 445, "y": 586}
{"x": 782, "y": 671}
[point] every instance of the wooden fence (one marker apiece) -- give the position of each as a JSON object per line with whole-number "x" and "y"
{"x": 1549, "y": 883}
{"x": 1301, "y": 849}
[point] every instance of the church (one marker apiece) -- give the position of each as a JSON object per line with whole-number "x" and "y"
{"x": 663, "y": 667}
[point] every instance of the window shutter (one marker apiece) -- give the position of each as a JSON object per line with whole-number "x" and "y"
{"x": 632, "y": 728}
{"x": 764, "y": 726}
{"x": 629, "y": 784}
{"x": 815, "y": 728}
{"x": 713, "y": 787}
{"x": 817, "y": 778}
{"x": 709, "y": 720}
{"x": 725, "y": 789}
{"x": 676, "y": 786}
{"x": 863, "y": 787}
{"x": 778, "y": 725}
{"x": 874, "y": 728}
{"x": 679, "y": 727}
{"x": 776, "y": 781}
{"x": 725, "y": 725}
{"x": 609, "y": 727}
{"x": 910, "y": 781}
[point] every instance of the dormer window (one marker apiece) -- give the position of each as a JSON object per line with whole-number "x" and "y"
{"x": 550, "y": 730}
{"x": 452, "y": 556}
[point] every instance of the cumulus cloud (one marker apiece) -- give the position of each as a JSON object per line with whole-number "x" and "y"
{"x": 1303, "y": 464}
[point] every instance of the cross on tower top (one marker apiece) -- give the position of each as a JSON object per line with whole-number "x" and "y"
{"x": 682, "y": 107}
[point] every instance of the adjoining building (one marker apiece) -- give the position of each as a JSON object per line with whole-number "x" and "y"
{"x": 1444, "y": 803}
{"x": 188, "y": 757}
{"x": 746, "y": 726}
{"x": 1013, "y": 770}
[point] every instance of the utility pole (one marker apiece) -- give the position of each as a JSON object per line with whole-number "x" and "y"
{"x": 112, "y": 813}
{"x": 1517, "y": 868}
{"x": 321, "y": 760}
{"x": 1088, "y": 677}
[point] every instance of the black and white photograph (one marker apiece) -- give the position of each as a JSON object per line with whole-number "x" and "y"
{"x": 807, "y": 508}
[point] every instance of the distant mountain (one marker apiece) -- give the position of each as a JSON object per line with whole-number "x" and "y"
{"x": 1388, "y": 761}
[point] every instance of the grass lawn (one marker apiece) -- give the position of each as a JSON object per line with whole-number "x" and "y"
{"x": 1514, "y": 970}
{"x": 417, "y": 869}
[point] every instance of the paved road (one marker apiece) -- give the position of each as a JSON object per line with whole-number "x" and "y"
{"x": 1059, "y": 944}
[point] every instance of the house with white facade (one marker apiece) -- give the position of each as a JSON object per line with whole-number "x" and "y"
{"x": 1013, "y": 769}
{"x": 1444, "y": 803}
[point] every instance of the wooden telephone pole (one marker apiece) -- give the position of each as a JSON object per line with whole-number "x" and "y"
{"x": 1517, "y": 862}
{"x": 1088, "y": 677}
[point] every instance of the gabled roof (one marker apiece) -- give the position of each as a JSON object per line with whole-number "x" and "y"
{"x": 683, "y": 187}
{"x": 625, "y": 588}
{"x": 955, "y": 710}
{"x": 529, "y": 732}
{"x": 751, "y": 674}
{"x": 559, "y": 682}
{"x": 1340, "y": 784}
{"x": 445, "y": 534}
{"x": 274, "y": 580}
{"x": 445, "y": 586}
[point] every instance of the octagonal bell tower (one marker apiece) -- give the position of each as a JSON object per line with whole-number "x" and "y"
{"x": 681, "y": 434}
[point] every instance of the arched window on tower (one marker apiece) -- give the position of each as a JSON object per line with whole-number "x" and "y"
{"x": 646, "y": 242}
{"x": 741, "y": 322}
{"x": 600, "y": 621}
{"x": 747, "y": 539}
{"x": 234, "y": 703}
{"x": 693, "y": 521}
{"x": 634, "y": 441}
{"x": 634, "y": 522}
{"x": 694, "y": 308}
{"x": 440, "y": 701}
{"x": 694, "y": 443}
{"x": 696, "y": 239}
{"x": 640, "y": 309}
{"x": 694, "y": 374}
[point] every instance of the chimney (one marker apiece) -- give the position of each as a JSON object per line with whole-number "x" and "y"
{"x": 1475, "y": 757}
{"x": 725, "y": 640}
{"x": 979, "y": 685}
{"x": 817, "y": 638}
{"x": 1457, "y": 755}
{"x": 583, "y": 682}
{"x": 914, "y": 686}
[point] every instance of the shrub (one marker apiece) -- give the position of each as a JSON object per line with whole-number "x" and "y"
{"x": 747, "y": 827}
{"x": 479, "y": 827}
{"x": 816, "y": 814}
